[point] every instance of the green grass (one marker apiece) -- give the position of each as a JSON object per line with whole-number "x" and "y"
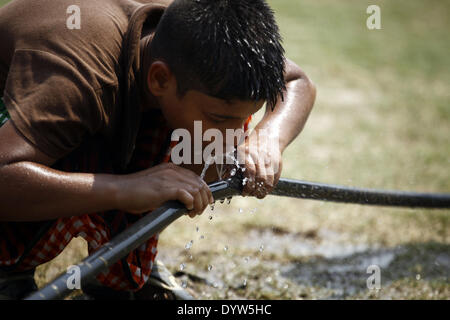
{"x": 381, "y": 120}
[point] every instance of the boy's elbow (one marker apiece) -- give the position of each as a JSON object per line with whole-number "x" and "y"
{"x": 294, "y": 73}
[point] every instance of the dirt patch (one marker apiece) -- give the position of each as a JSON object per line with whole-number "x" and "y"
{"x": 275, "y": 264}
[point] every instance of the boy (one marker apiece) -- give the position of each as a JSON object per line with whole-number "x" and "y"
{"x": 91, "y": 110}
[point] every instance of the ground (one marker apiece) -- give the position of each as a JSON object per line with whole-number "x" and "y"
{"x": 381, "y": 120}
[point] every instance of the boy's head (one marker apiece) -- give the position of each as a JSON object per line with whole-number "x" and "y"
{"x": 215, "y": 60}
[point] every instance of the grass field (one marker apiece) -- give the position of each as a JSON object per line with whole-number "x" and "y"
{"x": 381, "y": 120}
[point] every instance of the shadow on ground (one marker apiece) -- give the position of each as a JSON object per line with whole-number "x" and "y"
{"x": 347, "y": 276}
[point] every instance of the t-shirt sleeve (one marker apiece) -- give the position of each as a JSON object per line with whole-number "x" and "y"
{"x": 50, "y": 102}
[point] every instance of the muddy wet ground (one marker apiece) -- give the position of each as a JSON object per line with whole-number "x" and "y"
{"x": 313, "y": 252}
{"x": 273, "y": 263}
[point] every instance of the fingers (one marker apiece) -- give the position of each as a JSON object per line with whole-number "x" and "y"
{"x": 270, "y": 177}
{"x": 249, "y": 175}
{"x": 260, "y": 190}
{"x": 197, "y": 188}
{"x": 262, "y": 173}
{"x": 277, "y": 174}
{"x": 195, "y": 200}
{"x": 185, "y": 198}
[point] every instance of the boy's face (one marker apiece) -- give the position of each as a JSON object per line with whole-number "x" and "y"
{"x": 212, "y": 112}
{"x": 196, "y": 106}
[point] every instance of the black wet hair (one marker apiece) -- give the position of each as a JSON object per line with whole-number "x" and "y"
{"x": 228, "y": 49}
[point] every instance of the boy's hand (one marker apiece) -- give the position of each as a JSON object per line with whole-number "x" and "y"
{"x": 263, "y": 164}
{"x": 262, "y": 169}
{"x": 147, "y": 190}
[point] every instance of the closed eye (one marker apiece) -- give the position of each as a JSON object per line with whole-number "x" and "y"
{"x": 217, "y": 118}
{"x": 222, "y": 118}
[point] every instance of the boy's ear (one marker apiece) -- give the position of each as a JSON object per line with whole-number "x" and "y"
{"x": 159, "y": 78}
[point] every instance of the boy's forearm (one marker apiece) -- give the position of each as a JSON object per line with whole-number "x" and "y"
{"x": 289, "y": 116}
{"x": 33, "y": 192}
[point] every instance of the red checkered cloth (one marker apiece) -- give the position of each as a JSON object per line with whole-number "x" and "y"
{"x": 19, "y": 252}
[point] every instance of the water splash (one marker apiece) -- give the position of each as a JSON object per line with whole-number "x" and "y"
{"x": 219, "y": 170}
{"x": 208, "y": 162}
{"x": 189, "y": 245}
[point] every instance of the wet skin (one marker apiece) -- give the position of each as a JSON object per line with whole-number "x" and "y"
{"x": 32, "y": 191}
{"x": 263, "y": 163}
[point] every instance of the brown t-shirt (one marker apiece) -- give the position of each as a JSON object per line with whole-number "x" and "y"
{"x": 63, "y": 85}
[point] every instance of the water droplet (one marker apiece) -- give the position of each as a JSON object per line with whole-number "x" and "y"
{"x": 182, "y": 266}
{"x": 189, "y": 245}
{"x": 246, "y": 259}
{"x": 261, "y": 248}
{"x": 244, "y": 181}
{"x": 417, "y": 276}
{"x": 184, "y": 283}
{"x": 240, "y": 210}
{"x": 209, "y": 267}
{"x": 225, "y": 248}
{"x": 191, "y": 257}
{"x": 233, "y": 172}
{"x": 286, "y": 286}
{"x": 245, "y": 282}
{"x": 269, "y": 279}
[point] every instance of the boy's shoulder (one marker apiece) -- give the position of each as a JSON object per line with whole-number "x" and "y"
{"x": 67, "y": 69}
